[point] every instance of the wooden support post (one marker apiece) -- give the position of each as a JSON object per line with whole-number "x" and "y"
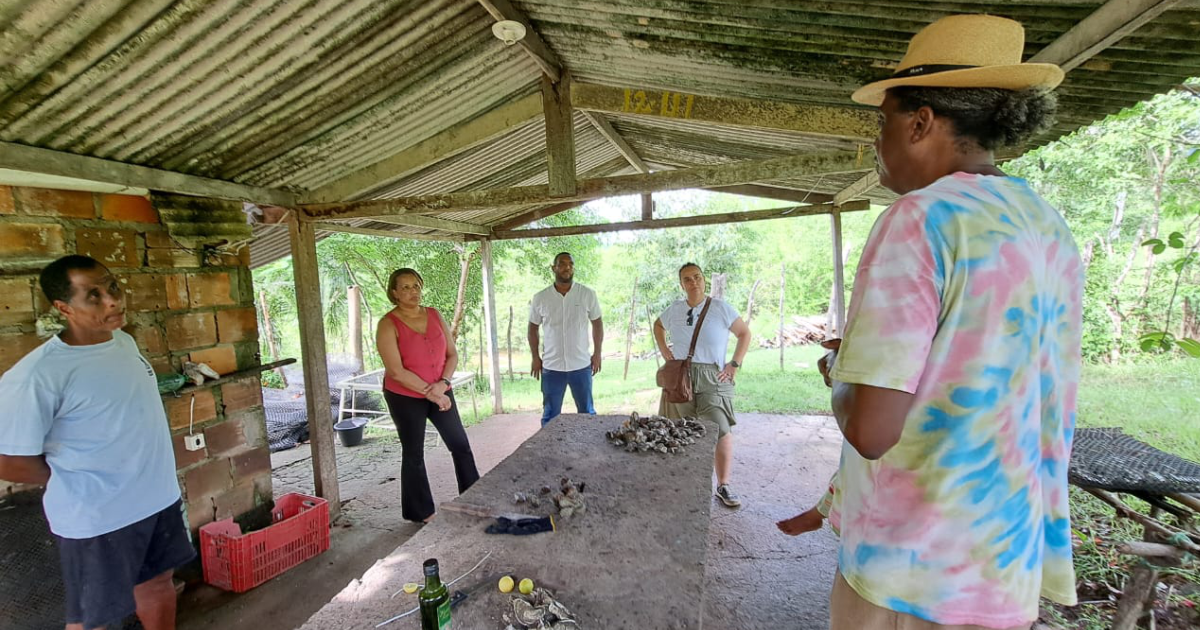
{"x": 647, "y": 207}
{"x": 312, "y": 355}
{"x": 839, "y": 279}
{"x": 508, "y": 346}
{"x": 560, "y": 135}
{"x": 782, "y": 286}
{"x": 489, "y": 310}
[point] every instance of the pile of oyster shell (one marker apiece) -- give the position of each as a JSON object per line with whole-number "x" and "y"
{"x": 539, "y": 610}
{"x": 656, "y": 433}
{"x": 568, "y": 501}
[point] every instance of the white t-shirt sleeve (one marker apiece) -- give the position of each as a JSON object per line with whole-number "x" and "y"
{"x": 728, "y": 314}
{"x": 535, "y": 313}
{"x": 593, "y": 311}
{"x": 27, "y": 408}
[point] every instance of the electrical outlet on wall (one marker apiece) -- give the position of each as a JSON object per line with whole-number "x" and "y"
{"x": 193, "y": 442}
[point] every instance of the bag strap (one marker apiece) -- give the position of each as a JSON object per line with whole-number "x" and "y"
{"x": 696, "y": 331}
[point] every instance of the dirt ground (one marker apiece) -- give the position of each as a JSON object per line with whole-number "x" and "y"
{"x": 756, "y": 576}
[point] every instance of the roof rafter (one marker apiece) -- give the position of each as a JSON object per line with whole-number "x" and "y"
{"x": 700, "y": 177}
{"x": 852, "y": 123}
{"x": 858, "y": 188}
{"x": 702, "y": 219}
{"x": 1104, "y": 27}
{"x": 436, "y": 223}
{"x": 19, "y": 157}
{"x": 532, "y": 43}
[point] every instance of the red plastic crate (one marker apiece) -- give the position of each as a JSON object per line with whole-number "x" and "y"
{"x": 238, "y": 562}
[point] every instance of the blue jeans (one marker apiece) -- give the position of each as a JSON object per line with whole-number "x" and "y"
{"x": 554, "y": 386}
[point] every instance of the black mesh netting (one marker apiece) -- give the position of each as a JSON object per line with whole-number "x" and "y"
{"x": 1110, "y": 460}
{"x": 31, "y": 588}
{"x": 287, "y": 417}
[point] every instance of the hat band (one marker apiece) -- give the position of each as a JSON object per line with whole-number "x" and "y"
{"x": 917, "y": 71}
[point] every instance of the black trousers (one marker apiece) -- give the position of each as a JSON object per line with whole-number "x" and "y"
{"x": 409, "y": 414}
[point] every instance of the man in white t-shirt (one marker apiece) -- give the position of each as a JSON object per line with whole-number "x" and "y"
{"x": 564, "y": 309}
{"x": 82, "y": 415}
{"x": 712, "y": 376}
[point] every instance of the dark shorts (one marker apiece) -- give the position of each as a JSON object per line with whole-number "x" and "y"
{"x": 99, "y": 573}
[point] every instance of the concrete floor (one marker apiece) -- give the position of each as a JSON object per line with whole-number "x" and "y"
{"x": 756, "y": 577}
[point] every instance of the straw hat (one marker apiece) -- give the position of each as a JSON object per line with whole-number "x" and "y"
{"x": 965, "y": 51}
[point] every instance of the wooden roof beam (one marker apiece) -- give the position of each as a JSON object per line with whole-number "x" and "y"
{"x": 703, "y": 219}
{"x": 859, "y": 124}
{"x": 436, "y": 223}
{"x": 588, "y": 189}
{"x": 353, "y": 229}
{"x": 1104, "y": 27}
{"x": 436, "y": 148}
{"x": 606, "y": 129}
{"x": 858, "y": 188}
{"x": 532, "y": 43}
{"x": 775, "y": 192}
{"x": 19, "y": 157}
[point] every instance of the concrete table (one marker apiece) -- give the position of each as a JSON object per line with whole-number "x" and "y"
{"x": 635, "y": 559}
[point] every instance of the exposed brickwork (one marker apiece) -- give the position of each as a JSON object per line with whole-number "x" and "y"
{"x": 220, "y": 358}
{"x": 42, "y": 241}
{"x": 209, "y": 479}
{"x": 239, "y": 324}
{"x": 180, "y": 307}
{"x": 148, "y": 336}
{"x": 145, "y": 292}
{"x": 172, "y": 258}
{"x": 46, "y": 202}
{"x": 242, "y": 394}
{"x": 209, "y": 289}
{"x": 177, "y": 292}
{"x": 179, "y": 408}
{"x": 225, "y": 437}
{"x": 6, "y": 200}
{"x": 184, "y": 457}
{"x": 113, "y": 248}
{"x": 189, "y": 330}
{"x": 16, "y": 300}
{"x": 255, "y": 462}
{"x": 127, "y": 208}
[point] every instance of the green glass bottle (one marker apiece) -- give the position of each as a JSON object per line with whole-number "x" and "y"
{"x": 435, "y": 600}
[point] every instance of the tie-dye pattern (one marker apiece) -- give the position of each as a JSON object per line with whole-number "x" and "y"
{"x": 968, "y": 295}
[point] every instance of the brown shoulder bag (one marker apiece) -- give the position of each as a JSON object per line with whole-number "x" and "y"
{"x": 675, "y": 376}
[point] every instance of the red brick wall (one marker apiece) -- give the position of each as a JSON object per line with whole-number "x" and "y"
{"x": 181, "y": 306}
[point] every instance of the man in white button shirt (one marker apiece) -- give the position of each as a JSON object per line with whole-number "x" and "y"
{"x": 565, "y": 308}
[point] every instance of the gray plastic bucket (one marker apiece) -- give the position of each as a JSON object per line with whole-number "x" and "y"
{"x": 350, "y": 431}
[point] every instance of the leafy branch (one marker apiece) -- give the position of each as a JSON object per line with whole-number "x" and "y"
{"x": 1164, "y": 339}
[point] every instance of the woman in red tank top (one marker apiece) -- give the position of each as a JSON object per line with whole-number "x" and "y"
{"x": 419, "y": 359}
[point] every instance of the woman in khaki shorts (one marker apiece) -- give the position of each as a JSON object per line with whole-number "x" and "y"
{"x": 712, "y": 376}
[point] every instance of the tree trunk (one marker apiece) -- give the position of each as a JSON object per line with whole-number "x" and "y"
{"x": 508, "y": 345}
{"x": 782, "y": 285}
{"x": 464, "y": 257}
{"x": 1114, "y": 304}
{"x": 1114, "y": 228}
{"x": 1159, "y": 182}
{"x": 629, "y": 331}
{"x": 1190, "y": 327}
{"x": 353, "y": 305}
{"x": 750, "y": 302}
{"x": 718, "y": 285}
{"x": 269, "y": 331}
{"x": 362, "y": 296}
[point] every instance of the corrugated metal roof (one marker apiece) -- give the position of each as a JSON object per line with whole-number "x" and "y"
{"x": 299, "y": 95}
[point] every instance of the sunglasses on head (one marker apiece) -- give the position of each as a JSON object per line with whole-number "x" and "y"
{"x": 689, "y": 323}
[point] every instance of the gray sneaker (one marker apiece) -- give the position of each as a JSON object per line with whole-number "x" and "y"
{"x": 727, "y": 496}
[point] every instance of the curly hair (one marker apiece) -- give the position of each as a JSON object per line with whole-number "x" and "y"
{"x": 989, "y": 117}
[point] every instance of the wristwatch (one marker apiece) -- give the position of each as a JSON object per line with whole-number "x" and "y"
{"x": 446, "y": 381}
{"x": 735, "y": 364}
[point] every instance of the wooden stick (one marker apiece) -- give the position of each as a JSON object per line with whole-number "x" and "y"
{"x": 1145, "y": 521}
{"x": 1150, "y": 550}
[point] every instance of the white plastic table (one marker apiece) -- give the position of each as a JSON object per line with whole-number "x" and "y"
{"x": 373, "y": 382}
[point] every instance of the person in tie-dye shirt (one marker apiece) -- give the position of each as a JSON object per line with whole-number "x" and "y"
{"x": 956, "y": 379}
